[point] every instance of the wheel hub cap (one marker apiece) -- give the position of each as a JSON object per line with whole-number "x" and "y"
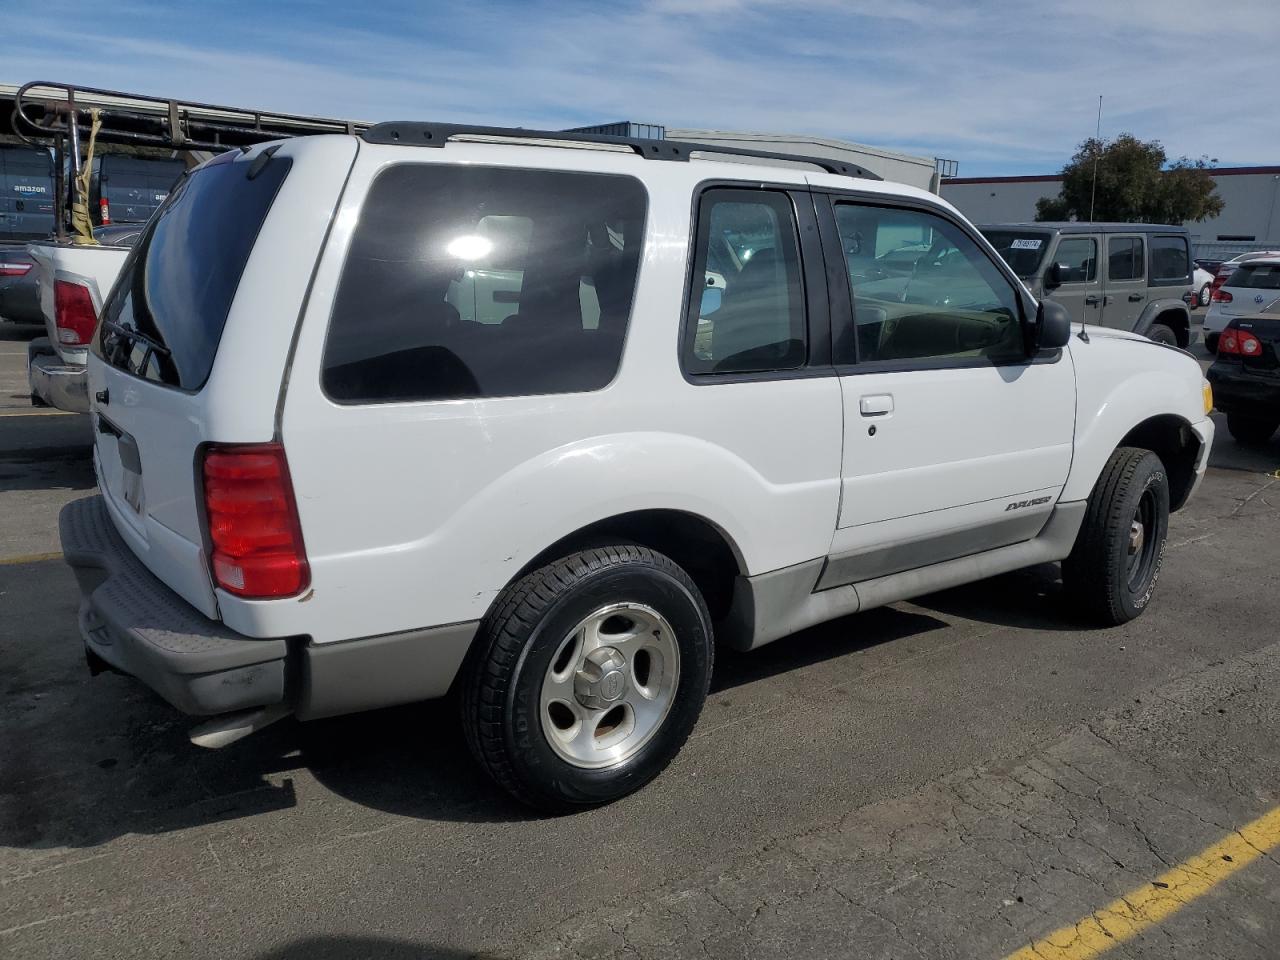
{"x": 1137, "y": 537}
{"x": 602, "y": 678}
{"x": 610, "y": 685}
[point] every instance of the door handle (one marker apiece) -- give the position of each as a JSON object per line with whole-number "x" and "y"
{"x": 1092, "y": 300}
{"x": 1135, "y": 297}
{"x": 876, "y": 405}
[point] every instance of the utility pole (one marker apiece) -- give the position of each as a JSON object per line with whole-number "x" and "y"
{"x": 1097, "y": 140}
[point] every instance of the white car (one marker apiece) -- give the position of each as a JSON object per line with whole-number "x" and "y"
{"x": 1250, "y": 287}
{"x": 329, "y": 484}
{"x": 1201, "y": 286}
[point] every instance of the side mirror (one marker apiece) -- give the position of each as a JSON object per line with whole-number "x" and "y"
{"x": 1052, "y": 327}
{"x": 1053, "y": 276}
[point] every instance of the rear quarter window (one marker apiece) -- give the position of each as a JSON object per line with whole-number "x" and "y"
{"x": 167, "y": 311}
{"x": 465, "y": 282}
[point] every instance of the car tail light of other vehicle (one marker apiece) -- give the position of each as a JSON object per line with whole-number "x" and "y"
{"x": 1221, "y": 296}
{"x": 253, "y": 522}
{"x": 1239, "y": 343}
{"x": 104, "y": 209}
{"x": 8, "y": 269}
{"x": 74, "y": 314}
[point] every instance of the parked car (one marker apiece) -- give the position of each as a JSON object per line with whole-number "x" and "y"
{"x": 69, "y": 283}
{"x": 1251, "y": 284}
{"x": 1227, "y": 267}
{"x": 1146, "y": 269}
{"x": 1246, "y": 374}
{"x": 1201, "y": 286}
{"x": 1208, "y": 265}
{"x": 329, "y": 482}
{"x": 19, "y": 294}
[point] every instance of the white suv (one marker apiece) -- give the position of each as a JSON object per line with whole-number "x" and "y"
{"x": 535, "y": 418}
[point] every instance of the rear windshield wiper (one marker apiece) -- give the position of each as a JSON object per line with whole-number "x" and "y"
{"x": 134, "y": 335}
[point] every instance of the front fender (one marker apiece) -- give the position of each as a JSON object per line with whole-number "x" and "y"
{"x": 1120, "y": 384}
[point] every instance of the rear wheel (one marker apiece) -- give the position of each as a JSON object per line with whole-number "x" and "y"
{"x": 1253, "y": 431}
{"x": 1211, "y": 342}
{"x": 1205, "y": 293}
{"x": 1162, "y": 334}
{"x": 588, "y": 676}
{"x": 1113, "y": 567}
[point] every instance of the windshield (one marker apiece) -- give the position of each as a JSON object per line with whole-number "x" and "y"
{"x": 1022, "y": 250}
{"x": 165, "y": 315}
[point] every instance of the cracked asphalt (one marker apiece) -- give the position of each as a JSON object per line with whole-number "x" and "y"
{"x": 957, "y": 777}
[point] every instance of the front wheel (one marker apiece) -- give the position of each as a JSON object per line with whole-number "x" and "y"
{"x": 1251, "y": 431}
{"x": 1162, "y": 334}
{"x": 587, "y": 677}
{"x": 1113, "y": 567}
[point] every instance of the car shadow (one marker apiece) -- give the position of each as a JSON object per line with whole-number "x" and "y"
{"x": 1030, "y": 599}
{"x": 47, "y": 468}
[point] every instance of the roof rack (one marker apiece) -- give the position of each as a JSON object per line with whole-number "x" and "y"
{"x": 413, "y": 133}
{"x": 45, "y": 110}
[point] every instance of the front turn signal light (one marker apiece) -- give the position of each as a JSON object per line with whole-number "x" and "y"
{"x": 1208, "y": 398}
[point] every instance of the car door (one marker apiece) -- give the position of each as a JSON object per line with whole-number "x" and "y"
{"x": 955, "y": 440}
{"x": 1079, "y": 286}
{"x": 1125, "y": 286}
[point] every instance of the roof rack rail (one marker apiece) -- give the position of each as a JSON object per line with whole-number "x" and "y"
{"x": 45, "y": 110}
{"x": 415, "y": 133}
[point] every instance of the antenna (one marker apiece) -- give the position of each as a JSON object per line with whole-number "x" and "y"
{"x": 1097, "y": 139}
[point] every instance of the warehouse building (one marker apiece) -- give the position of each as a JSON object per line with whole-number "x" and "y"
{"x": 919, "y": 172}
{"x": 1250, "y": 218}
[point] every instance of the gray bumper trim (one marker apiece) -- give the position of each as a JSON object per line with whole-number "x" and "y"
{"x": 138, "y": 625}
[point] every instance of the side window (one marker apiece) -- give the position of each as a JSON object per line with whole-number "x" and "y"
{"x": 1170, "y": 259}
{"x": 466, "y": 282}
{"x": 922, "y": 289}
{"x": 1077, "y": 260}
{"x": 746, "y": 309}
{"x": 1124, "y": 258}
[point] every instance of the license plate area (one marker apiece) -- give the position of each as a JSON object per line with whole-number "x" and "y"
{"x": 123, "y": 464}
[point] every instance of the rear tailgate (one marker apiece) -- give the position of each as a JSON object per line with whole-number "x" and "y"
{"x": 158, "y": 396}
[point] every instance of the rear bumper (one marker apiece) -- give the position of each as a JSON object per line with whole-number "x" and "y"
{"x": 59, "y": 384}
{"x": 1236, "y": 390}
{"x": 139, "y": 626}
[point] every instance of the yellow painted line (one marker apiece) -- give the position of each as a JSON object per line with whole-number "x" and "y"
{"x": 29, "y": 558}
{"x": 37, "y": 412}
{"x": 1140, "y": 909}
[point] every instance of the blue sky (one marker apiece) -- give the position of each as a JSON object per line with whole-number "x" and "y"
{"x": 1003, "y": 86}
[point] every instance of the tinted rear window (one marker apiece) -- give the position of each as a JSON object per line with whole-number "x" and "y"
{"x": 176, "y": 288}
{"x": 1022, "y": 250}
{"x": 484, "y": 282}
{"x": 1256, "y": 276}
{"x": 1170, "y": 260}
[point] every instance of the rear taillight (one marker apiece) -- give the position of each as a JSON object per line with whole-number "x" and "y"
{"x": 1221, "y": 296}
{"x": 14, "y": 269}
{"x": 253, "y": 522}
{"x": 74, "y": 315}
{"x": 104, "y": 210}
{"x": 1239, "y": 343}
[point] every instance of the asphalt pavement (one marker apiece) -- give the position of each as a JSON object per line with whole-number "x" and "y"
{"x": 973, "y": 774}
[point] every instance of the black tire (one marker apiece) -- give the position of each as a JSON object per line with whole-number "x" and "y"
{"x": 513, "y": 650}
{"x": 1162, "y": 334}
{"x": 1109, "y": 583}
{"x": 1211, "y": 342}
{"x": 1251, "y": 431}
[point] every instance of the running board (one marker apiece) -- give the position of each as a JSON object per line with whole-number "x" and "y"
{"x": 776, "y": 604}
{"x": 230, "y": 727}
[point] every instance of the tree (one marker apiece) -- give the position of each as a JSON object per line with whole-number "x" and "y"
{"x": 1133, "y": 185}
